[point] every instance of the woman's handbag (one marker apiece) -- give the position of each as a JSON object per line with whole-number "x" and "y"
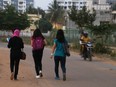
{"x": 66, "y": 49}
{"x": 23, "y": 55}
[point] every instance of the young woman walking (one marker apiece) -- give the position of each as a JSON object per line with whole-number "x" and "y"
{"x": 38, "y": 42}
{"x": 59, "y": 54}
{"x": 16, "y": 44}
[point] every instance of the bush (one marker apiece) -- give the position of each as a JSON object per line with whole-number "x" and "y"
{"x": 100, "y": 48}
{"x": 113, "y": 55}
{"x": 26, "y": 40}
{"x": 3, "y": 38}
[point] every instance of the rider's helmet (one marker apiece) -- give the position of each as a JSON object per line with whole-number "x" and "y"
{"x": 86, "y": 34}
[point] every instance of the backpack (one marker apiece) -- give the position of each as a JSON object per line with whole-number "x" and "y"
{"x": 38, "y": 43}
{"x": 66, "y": 49}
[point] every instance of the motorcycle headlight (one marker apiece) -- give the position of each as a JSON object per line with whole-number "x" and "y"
{"x": 89, "y": 45}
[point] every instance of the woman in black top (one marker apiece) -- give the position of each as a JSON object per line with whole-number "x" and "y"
{"x": 37, "y": 51}
{"x": 16, "y": 44}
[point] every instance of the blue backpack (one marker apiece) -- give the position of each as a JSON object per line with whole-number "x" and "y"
{"x": 38, "y": 43}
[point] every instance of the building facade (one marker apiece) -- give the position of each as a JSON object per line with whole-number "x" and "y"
{"x": 67, "y": 4}
{"x": 20, "y": 5}
{"x": 103, "y": 9}
{"x": 90, "y": 4}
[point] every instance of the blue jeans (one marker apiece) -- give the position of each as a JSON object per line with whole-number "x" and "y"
{"x": 62, "y": 61}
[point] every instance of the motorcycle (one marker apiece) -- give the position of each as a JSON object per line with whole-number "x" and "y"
{"x": 87, "y": 51}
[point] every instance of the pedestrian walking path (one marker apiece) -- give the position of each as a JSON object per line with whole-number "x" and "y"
{"x": 79, "y": 73}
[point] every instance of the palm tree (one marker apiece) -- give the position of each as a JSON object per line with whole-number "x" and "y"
{"x": 55, "y": 13}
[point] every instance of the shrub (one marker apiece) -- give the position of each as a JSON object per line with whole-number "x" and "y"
{"x": 100, "y": 48}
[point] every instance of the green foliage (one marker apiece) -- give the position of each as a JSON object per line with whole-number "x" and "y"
{"x": 41, "y": 12}
{"x": 73, "y": 13}
{"x": 113, "y": 55}
{"x": 114, "y": 7}
{"x": 103, "y": 29}
{"x": 100, "y": 48}
{"x": 31, "y": 10}
{"x": 3, "y": 39}
{"x": 44, "y": 25}
{"x": 11, "y": 19}
{"x": 82, "y": 17}
{"x": 26, "y": 40}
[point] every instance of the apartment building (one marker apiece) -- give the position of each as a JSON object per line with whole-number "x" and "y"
{"x": 103, "y": 9}
{"x": 67, "y": 4}
{"x": 90, "y": 4}
{"x": 111, "y": 1}
{"x": 20, "y": 5}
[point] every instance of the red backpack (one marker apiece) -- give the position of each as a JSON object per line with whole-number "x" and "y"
{"x": 38, "y": 43}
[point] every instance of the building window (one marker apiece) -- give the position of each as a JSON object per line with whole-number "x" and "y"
{"x": 95, "y": 2}
{"x": 101, "y": 13}
{"x": 20, "y": 11}
{"x": 58, "y": 2}
{"x": 20, "y": 2}
{"x": 65, "y": 7}
{"x": 84, "y": 3}
{"x": 81, "y": 6}
{"x": 81, "y": 2}
{"x": 69, "y": 7}
{"x": 5, "y": 2}
{"x": 69, "y": 2}
{"x": 73, "y": 3}
{"x": 65, "y": 2}
{"x": 20, "y": 6}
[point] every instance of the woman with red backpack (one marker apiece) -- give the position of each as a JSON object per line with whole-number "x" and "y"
{"x": 38, "y": 42}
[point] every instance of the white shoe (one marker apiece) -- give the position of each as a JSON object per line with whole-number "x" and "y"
{"x": 40, "y": 73}
{"x": 38, "y": 76}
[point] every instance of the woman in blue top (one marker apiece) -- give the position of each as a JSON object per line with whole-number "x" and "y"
{"x": 58, "y": 53}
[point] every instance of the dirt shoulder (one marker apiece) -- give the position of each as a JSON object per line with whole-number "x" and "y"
{"x": 105, "y": 58}
{"x": 100, "y": 57}
{"x": 25, "y": 79}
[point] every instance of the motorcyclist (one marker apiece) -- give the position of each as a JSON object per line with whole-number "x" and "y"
{"x": 80, "y": 42}
{"x": 85, "y": 39}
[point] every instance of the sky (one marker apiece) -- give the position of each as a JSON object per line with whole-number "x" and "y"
{"x": 42, "y": 3}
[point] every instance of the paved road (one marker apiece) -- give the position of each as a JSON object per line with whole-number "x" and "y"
{"x": 79, "y": 73}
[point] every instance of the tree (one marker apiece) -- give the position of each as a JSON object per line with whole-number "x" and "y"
{"x": 44, "y": 25}
{"x": 31, "y": 10}
{"x": 103, "y": 30}
{"x": 83, "y": 17}
{"x": 11, "y": 19}
{"x": 41, "y": 12}
{"x": 2, "y": 13}
{"x": 55, "y": 13}
{"x": 101, "y": 33}
{"x": 113, "y": 7}
{"x": 22, "y": 22}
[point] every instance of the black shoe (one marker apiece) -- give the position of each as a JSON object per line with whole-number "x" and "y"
{"x": 41, "y": 75}
{"x": 15, "y": 77}
{"x": 12, "y": 76}
{"x": 64, "y": 77}
{"x": 57, "y": 78}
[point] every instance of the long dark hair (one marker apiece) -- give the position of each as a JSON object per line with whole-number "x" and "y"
{"x": 60, "y": 36}
{"x": 37, "y": 33}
